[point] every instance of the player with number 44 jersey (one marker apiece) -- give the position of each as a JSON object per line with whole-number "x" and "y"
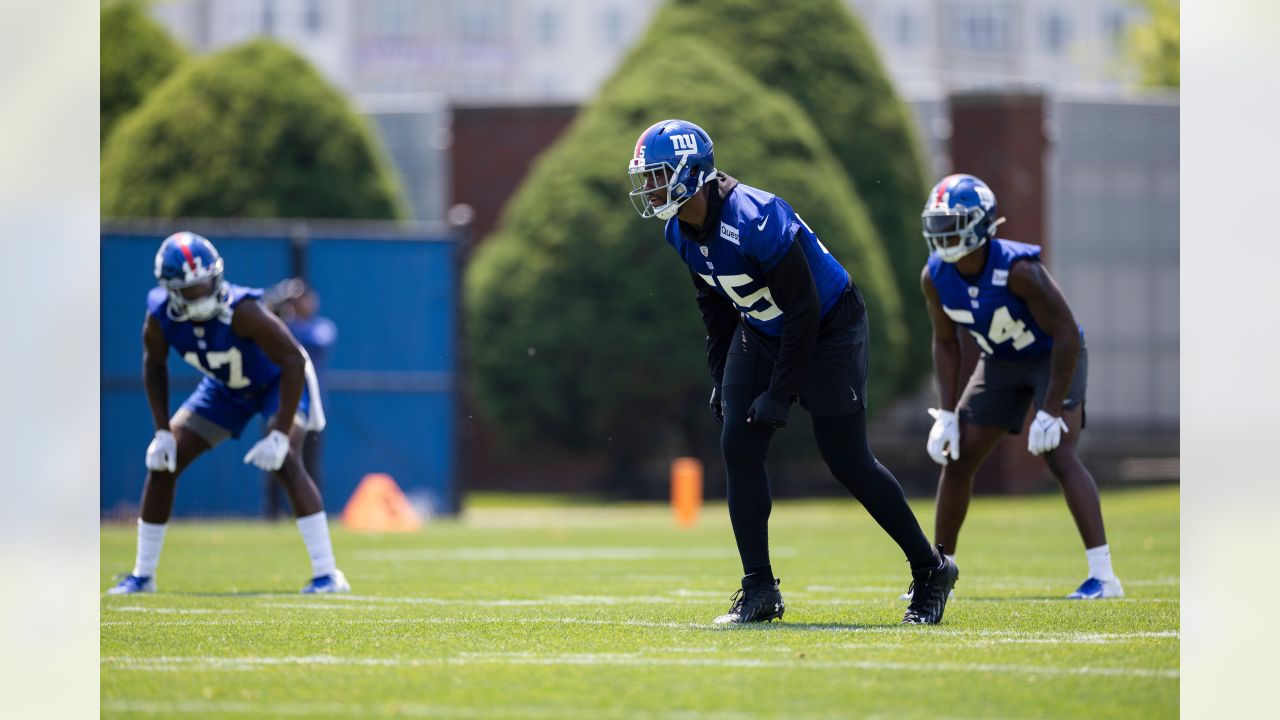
{"x": 1033, "y": 351}
{"x": 252, "y": 366}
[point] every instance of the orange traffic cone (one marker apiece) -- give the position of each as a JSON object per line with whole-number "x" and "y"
{"x": 378, "y": 505}
{"x": 686, "y": 490}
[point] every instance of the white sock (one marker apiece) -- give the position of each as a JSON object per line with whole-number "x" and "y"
{"x": 1100, "y": 562}
{"x": 150, "y": 540}
{"x": 315, "y": 534}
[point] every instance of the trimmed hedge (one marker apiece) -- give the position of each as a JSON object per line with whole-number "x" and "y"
{"x": 252, "y": 131}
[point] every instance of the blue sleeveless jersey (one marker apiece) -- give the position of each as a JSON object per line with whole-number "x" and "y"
{"x": 235, "y": 363}
{"x": 999, "y": 320}
{"x": 756, "y": 231}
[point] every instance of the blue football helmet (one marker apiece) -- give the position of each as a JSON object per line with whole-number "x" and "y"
{"x": 190, "y": 268}
{"x": 671, "y": 162}
{"x": 959, "y": 216}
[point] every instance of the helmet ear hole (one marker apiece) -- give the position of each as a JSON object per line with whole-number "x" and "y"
{"x": 678, "y": 189}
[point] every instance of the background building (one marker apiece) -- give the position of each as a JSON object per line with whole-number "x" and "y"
{"x": 418, "y": 68}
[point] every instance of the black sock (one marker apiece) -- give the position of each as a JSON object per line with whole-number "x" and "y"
{"x": 759, "y": 577}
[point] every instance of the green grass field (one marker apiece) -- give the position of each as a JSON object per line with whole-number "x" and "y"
{"x": 538, "y": 610}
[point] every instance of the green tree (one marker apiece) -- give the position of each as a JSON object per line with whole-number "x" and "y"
{"x": 252, "y": 131}
{"x": 818, "y": 53}
{"x": 135, "y": 55}
{"x": 581, "y": 325}
{"x": 1154, "y": 44}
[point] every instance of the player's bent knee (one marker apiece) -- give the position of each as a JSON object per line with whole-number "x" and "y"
{"x": 1061, "y": 459}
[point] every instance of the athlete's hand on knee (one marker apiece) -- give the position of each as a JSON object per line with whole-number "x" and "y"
{"x": 162, "y": 453}
{"x": 769, "y": 410}
{"x": 944, "y": 438}
{"x": 269, "y": 452}
{"x": 717, "y": 406}
{"x": 1046, "y": 433}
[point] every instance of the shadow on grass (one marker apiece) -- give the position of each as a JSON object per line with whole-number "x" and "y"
{"x": 783, "y": 626}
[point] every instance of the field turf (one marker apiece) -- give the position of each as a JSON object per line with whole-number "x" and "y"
{"x": 570, "y": 610}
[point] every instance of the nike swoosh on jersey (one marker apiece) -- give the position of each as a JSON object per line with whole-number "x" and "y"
{"x": 763, "y": 222}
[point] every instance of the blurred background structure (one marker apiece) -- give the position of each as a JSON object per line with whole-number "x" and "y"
{"x": 1069, "y": 108}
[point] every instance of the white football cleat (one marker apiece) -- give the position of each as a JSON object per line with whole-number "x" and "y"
{"x": 1095, "y": 589}
{"x": 132, "y": 584}
{"x": 335, "y": 582}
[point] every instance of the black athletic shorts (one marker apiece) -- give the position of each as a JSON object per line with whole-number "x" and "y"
{"x": 999, "y": 391}
{"x": 836, "y": 379}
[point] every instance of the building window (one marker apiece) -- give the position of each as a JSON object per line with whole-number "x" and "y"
{"x": 548, "y": 27}
{"x": 1115, "y": 24}
{"x": 1056, "y": 32}
{"x": 482, "y": 20}
{"x": 613, "y": 26}
{"x": 313, "y": 16}
{"x": 980, "y": 28}
{"x": 268, "y": 17}
{"x": 905, "y": 28}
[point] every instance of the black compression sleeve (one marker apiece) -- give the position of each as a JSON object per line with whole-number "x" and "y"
{"x": 720, "y": 318}
{"x": 794, "y": 292}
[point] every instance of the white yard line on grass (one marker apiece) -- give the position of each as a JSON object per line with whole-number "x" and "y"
{"x": 960, "y": 633}
{"x": 212, "y": 663}
{"x": 543, "y": 554}
{"x": 395, "y": 708}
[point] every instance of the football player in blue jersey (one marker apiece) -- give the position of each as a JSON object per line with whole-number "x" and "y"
{"x": 252, "y": 366}
{"x": 784, "y": 323}
{"x": 1032, "y": 351}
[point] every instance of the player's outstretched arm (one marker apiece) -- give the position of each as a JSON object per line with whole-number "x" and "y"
{"x": 944, "y": 437}
{"x": 946, "y": 346}
{"x": 252, "y": 321}
{"x": 162, "y": 453}
{"x": 155, "y": 371}
{"x": 720, "y": 317}
{"x": 1031, "y": 281}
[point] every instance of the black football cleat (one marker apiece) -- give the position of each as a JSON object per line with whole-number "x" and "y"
{"x": 754, "y": 603}
{"x": 929, "y": 592}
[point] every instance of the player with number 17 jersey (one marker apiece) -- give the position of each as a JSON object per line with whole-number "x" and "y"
{"x": 252, "y": 366}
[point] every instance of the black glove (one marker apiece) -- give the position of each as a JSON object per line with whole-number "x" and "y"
{"x": 717, "y": 409}
{"x": 769, "y": 410}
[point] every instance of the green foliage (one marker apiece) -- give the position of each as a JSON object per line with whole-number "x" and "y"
{"x": 253, "y": 131}
{"x": 1154, "y": 44}
{"x": 136, "y": 54}
{"x": 817, "y": 52}
{"x": 581, "y": 324}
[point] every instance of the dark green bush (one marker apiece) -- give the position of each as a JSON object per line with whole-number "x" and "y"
{"x": 135, "y": 55}
{"x": 253, "y": 131}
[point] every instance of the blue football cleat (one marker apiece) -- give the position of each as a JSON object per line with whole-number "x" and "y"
{"x": 333, "y": 583}
{"x": 1095, "y": 589}
{"x": 132, "y": 584}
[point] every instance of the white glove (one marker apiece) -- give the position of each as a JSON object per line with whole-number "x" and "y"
{"x": 162, "y": 453}
{"x": 269, "y": 452}
{"x": 944, "y": 438}
{"x": 1046, "y": 433}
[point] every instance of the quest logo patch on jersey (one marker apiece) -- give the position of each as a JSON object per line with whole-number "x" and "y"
{"x": 999, "y": 277}
{"x": 730, "y": 233}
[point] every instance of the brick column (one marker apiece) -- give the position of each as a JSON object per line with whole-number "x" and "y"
{"x": 999, "y": 137}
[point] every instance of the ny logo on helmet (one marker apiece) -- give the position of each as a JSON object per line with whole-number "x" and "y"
{"x": 684, "y": 144}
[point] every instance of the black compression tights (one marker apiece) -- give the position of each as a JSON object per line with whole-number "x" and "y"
{"x": 842, "y": 440}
